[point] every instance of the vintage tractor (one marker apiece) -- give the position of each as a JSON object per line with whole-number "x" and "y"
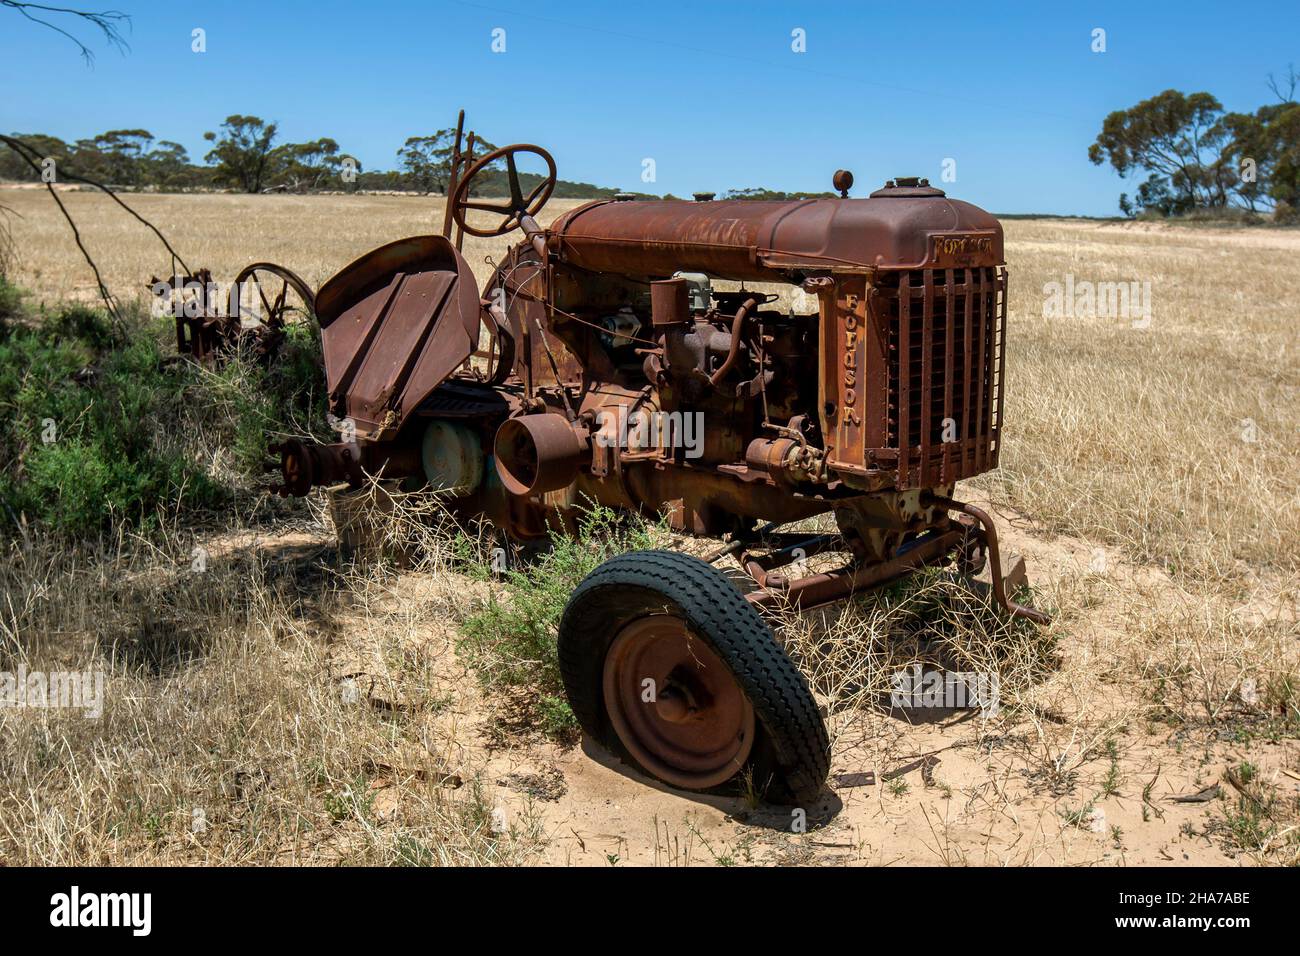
{"x": 604, "y": 362}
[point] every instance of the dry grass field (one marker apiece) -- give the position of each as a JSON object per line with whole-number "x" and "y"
{"x": 285, "y": 707}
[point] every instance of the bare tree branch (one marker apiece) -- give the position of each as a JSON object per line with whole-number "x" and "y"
{"x": 1292, "y": 80}
{"x": 108, "y": 22}
{"x": 8, "y": 249}
{"x": 33, "y": 159}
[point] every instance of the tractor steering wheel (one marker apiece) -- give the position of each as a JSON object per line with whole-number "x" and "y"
{"x": 517, "y": 206}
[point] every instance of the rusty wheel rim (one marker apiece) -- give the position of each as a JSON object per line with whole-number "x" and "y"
{"x": 698, "y": 729}
{"x": 277, "y": 307}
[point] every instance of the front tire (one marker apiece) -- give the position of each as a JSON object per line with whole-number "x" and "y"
{"x": 666, "y": 664}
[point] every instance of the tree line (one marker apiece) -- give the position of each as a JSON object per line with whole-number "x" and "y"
{"x": 1197, "y": 157}
{"x": 245, "y": 155}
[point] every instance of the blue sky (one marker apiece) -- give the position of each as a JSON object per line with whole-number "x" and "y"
{"x": 712, "y": 92}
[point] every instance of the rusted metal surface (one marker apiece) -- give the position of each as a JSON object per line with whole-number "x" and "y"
{"x": 733, "y": 343}
{"x": 458, "y": 160}
{"x": 815, "y": 590}
{"x": 513, "y": 209}
{"x": 394, "y": 325}
{"x": 601, "y": 365}
{"x": 935, "y": 341}
{"x": 203, "y": 328}
{"x": 305, "y": 465}
{"x": 265, "y": 317}
{"x": 538, "y": 453}
{"x": 669, "y": 302}
{"x": 596, "y": 331}
{"x": 697, "y": 728}
{"x": 765, "y": 241}
{"x": 786, "y": 550}
{"x": 518, "y": 289}
{"x": 846, "y": 406}
{"x": 249, "y": 320}
{"x": 990, "y": 536}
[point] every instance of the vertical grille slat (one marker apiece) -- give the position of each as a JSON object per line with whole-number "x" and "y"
{"x": 904, "y": 360}
{"x": 949, "y": 319}
{"x": 1001, "y": 365}
{"x": 927, "y": 338}
{"x": 981, "y": 339}
{"x": 944, "y": 330}
{"x": 968, "y": 420}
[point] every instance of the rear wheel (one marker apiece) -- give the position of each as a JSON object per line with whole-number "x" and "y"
{"x": 665, "y": 663}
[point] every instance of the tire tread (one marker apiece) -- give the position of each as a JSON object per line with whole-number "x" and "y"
{"x": 717, "y": 611}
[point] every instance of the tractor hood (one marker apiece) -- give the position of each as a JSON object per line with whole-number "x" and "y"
{"x": 897, "y": 228}
{"x": 394, "y": 324}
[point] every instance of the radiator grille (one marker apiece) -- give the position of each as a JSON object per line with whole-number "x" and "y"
{"x": 944, "y": 331}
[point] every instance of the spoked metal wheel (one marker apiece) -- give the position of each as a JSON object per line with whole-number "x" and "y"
{"x": 265, "y": 299}
{"x": 665, "y": 663}
{"x": 675, "y": 706}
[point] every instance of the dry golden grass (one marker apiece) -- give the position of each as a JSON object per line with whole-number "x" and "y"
{"x": 1136, "y": 437}
{"x": 315, "y": 236}
{"x": 1167, "y": 546}
{"x": 232, "y": 733}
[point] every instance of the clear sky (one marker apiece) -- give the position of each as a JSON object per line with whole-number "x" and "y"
{"x": 712, "y": 92}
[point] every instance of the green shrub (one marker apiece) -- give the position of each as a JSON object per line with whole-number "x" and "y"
{"x": 11, "y": 300}
{"x": 84, "y": 441}
{"x": 98, "y": 428}
{"x": 244, "y": 403}
{"x": 510, "y": 639}
{"x": 90, "y": 327}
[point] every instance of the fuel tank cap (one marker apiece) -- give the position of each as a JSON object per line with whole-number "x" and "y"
{"x": 905, "y": 186}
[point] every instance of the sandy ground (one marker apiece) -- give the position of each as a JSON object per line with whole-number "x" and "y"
{"x": 952, "y": 789}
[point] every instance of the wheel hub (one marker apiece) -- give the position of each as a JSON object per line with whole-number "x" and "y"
{"x": 674, "y": 706}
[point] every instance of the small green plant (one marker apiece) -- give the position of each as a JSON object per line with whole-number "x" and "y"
{"x": 155, "y": 824}
{"x": 1080, "y": 818}
{"x": 1282, "y": 696}
{"x": 556, "y": 716}
{"x": 244, "y": 402}
{"x": 1255, "y": 820}
{"x": 750, "y": 792}
{"x": 510, "y": 638}
{"x": 353, "y": 800}
{"x": 11, "y": 302}
{"x": 898, "y": 787}
{"x": 1249, "y": 824}
{"x": 1111, "y": 782}
{"x": 722, "y": 857}
{"x": 411, "y": 852}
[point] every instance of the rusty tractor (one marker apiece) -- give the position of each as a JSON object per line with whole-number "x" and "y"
{"x": 617, "y": 356}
